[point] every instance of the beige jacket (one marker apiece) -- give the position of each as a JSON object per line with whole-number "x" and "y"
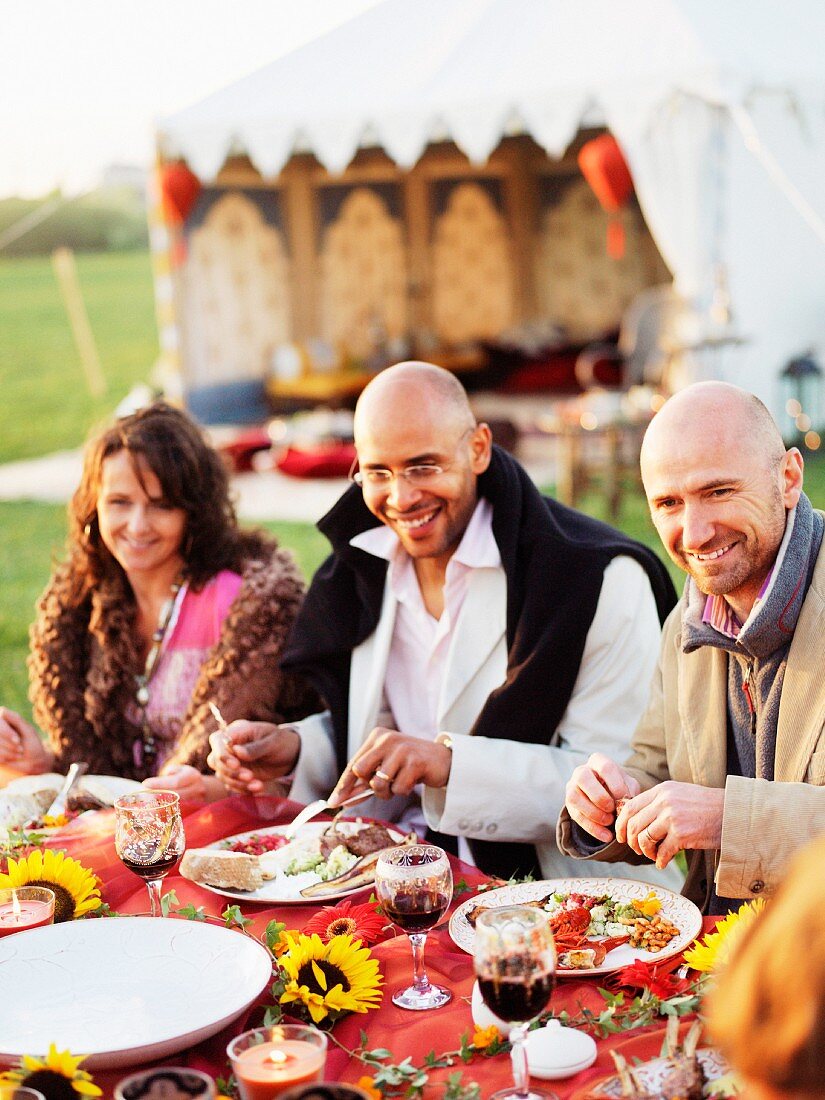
{"x": 683, "y": 736}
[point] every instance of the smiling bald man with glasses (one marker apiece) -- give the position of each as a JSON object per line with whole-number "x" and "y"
{"x": 473, "y": 641}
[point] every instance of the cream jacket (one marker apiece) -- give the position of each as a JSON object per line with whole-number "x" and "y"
{"x": 683, "y": 736}
{"x": 500, "y": 789}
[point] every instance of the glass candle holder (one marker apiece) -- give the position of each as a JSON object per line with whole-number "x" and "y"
{"x": 268, "y": 1061}
{"x": 168, "y": 1083}
{"x": 10, "y": 1091}
{"x": 25, "y": 907}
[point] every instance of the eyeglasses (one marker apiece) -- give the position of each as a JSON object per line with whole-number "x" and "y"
{"x": 416, "y": 476}
{"x": 419, "y": 476}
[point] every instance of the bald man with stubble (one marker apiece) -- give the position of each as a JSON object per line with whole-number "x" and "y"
{"x": 473, "y": 640}
{"x": 728, "y": 763}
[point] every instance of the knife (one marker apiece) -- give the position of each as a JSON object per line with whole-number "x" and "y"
{"x": 318, "y": 807}
{"x": 72, "y": 775}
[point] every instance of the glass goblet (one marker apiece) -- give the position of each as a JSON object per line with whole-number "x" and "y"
{"x": 149, "y": 837}
{"x": 515, "y": 963}
{"x": 414, "y": 884}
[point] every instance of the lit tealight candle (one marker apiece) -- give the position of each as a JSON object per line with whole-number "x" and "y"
{"x": 25, "y": 908}
{"x": 265, "y": 1069}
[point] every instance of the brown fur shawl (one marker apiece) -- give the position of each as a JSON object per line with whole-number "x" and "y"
{"x": 83, "y": 661}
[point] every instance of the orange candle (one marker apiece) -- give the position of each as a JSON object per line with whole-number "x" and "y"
{"x": 26, "y": 907}
{"x": 265, "y": 1069}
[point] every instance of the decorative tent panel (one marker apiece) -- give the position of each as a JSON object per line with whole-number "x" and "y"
{"x": 579, "y": 287}
{"x": 235, "y": 292}
{"x": 363, "y": 263}
{"x": 472, "y": 268}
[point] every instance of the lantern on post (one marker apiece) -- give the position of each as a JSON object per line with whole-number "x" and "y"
{"x": 802, "y": 400}
{"x": 603, "y": 165}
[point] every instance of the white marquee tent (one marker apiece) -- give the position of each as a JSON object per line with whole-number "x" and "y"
{"x": 719, "y": 107}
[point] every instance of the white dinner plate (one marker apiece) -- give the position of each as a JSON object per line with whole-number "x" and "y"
{"x": 286, "y": 889}
{"x": 124, "y": 990}
{"x": 677, "y": 909}
{"x": 98, "y": 785}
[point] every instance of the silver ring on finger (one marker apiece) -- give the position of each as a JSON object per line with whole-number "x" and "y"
{"x": 383, "y": 775}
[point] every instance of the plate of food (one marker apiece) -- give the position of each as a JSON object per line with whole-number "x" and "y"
{"x": 684, "y": 1071}
{"x": 23, "y": 801}
{"x": 324, "y": 861}
{"x": 600, "y": 924}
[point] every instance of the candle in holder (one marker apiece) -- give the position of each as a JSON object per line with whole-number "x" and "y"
{"x": 269, "y": 1060}
{"x": 25, "y": 907}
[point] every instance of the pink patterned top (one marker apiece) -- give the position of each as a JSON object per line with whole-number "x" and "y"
{"x": 193, "y": 631}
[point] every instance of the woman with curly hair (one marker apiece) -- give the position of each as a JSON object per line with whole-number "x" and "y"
{"x": 162, "y": 607}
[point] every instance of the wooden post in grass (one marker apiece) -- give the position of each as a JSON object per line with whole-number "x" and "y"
{"x": 65, "y": 269}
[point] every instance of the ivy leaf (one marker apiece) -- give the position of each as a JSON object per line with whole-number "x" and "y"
{"x": 380, "y": 1054}
{"x": 191, "y": 913}
{"x": 272, "y": 932}
{"x": 167, "y": 901}
{"x": 233, "y": 916}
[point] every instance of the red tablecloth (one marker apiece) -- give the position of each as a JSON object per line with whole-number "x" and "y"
{"x": 403, "y": 1032}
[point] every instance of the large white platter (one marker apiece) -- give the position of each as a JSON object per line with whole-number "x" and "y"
{"x": 683, "y": 913}
{"x": 98, "y": 785}
{"x": 286, "y": 889}
{"x": 124, "y": 990}
{"x": 115, "y": 785}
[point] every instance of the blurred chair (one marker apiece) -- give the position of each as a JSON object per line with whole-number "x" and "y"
{"x": 643, "y": 353}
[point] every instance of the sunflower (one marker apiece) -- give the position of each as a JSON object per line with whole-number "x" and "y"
{"x": 76, "y": 890}
{"x": 714, "y": 950}
{"x": 328, "y": 979}
{"x": 361, "y": 922}
{"x": 58, "y": 1076}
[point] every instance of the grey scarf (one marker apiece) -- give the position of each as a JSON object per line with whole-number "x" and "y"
{"x": 757, "y": 672}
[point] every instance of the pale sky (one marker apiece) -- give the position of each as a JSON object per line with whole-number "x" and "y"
{"x": 82, "y": 81}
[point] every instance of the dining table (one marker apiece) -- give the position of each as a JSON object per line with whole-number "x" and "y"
{"x": 405, "y": 1033}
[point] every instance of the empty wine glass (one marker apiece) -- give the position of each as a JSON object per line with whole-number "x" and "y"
{"x": 149, "y": 837}
{"x": 515, "y": 963}
{"x": 414, "y": 884}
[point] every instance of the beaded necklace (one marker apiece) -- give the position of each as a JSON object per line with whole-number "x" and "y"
{"x": 145, "y": 749}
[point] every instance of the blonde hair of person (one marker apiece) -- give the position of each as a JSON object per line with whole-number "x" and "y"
{"x": 767, "y": 1009}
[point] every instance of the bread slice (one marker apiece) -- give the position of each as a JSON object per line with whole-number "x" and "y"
{"x": 225, "y": 870}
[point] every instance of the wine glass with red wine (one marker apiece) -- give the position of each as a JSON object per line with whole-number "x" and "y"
{"x": 414, "y": 884}
{"x": 515, "y": 964}
{"x": 149, "y": 837}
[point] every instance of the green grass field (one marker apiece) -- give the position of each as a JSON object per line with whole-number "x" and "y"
{"x": 46, "y": 405}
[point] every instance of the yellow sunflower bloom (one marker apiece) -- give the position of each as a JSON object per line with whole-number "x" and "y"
{"x": 329, "y": 978}
{"x": 715, "y": 948}
{"x": 50, "y": 1074}
{"x": 76, "y": 889}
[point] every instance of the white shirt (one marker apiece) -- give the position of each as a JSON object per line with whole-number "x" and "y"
{"x": 420, "y": 643}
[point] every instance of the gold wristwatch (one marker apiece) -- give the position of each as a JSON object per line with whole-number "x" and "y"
{"x": 446, "y": 740}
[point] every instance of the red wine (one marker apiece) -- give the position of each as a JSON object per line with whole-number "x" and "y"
{"x": 416, "y": 911}
{"x": 158, "y": 869}
{"x": 517, "y": 1000}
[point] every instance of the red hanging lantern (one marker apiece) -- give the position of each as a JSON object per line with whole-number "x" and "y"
{"x": 179, "y": 188}
{"x": 603, "y": 165}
